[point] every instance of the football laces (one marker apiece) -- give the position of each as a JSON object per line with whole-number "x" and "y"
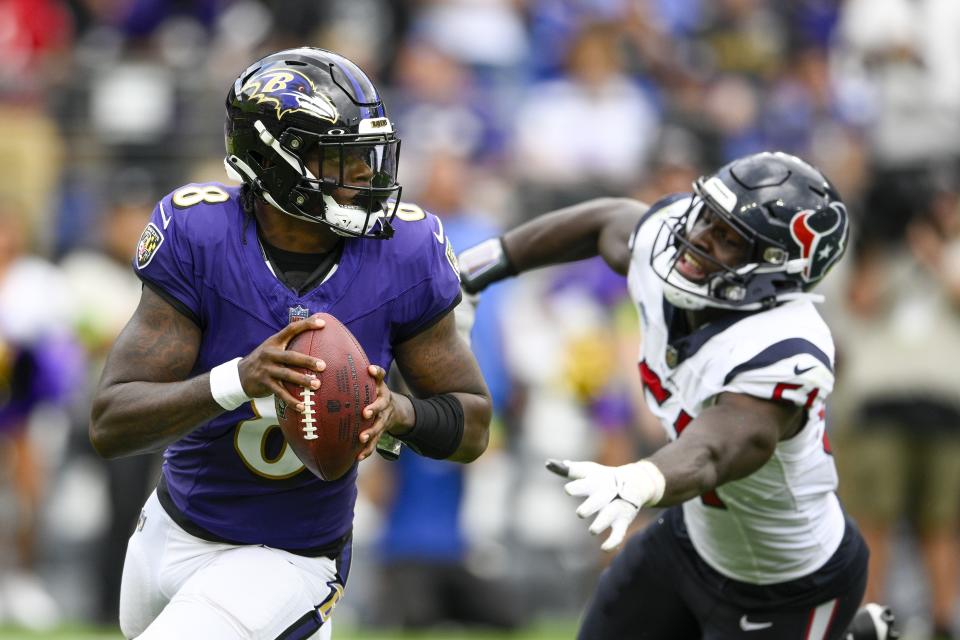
{"x": 309, "y": 422}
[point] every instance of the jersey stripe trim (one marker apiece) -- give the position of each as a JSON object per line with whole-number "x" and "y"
{"x": 820, "y": 620}
{"x": 306, "y": 626}
{"x": 777, "y": 352}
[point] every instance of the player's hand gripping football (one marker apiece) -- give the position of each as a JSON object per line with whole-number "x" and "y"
{"x": 615, "y": 494}
{"x": 264, "y": 369}
{"x": 383, "y": 409}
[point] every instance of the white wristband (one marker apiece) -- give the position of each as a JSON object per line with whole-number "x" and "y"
{"x": 648, "y": 485}
{"x": 225, "y": 385}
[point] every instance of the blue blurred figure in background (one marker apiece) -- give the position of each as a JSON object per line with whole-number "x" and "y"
{"x": 426, "y": 576}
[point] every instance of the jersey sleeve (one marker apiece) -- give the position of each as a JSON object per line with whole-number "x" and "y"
{"x": 793, "y": 370}
{"x": 164, "y": 260}
{"x": 437, "y": 290}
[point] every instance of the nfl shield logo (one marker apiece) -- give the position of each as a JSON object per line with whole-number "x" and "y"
{"x": 298, "y": 312}
{"x": 673, "y": 356}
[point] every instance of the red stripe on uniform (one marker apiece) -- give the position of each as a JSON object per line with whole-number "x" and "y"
{"x": 652, "y": 382}
{"x": 820, "y": 620}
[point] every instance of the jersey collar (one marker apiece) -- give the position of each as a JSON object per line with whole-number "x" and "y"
{"x": 683, "y": 343}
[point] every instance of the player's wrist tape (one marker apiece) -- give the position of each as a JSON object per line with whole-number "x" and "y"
{"x": 645, "y": 486}
{"x": 437, "y": 426}
{"x": 225, "y": 385}
{"x": 484, "y": 264}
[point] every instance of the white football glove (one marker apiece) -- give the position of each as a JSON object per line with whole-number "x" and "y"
{"x": 615, "y": 494}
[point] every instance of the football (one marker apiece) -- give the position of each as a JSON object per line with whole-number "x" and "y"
{"x": 326, "y": 435}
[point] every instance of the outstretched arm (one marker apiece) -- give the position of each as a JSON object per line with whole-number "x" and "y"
{"x": 729, "y": 440}
{"x": 596, "y": 227}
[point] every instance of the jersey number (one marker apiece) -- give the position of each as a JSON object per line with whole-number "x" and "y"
{"x": 790, "y": 386}
{"x": 250, "y": 440}
{"x": 195, "y": 194}
{"x": 410, "y": 212}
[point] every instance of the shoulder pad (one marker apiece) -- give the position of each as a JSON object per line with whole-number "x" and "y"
{"x": 786, "y": 370}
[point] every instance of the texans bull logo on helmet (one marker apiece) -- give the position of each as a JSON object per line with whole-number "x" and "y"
{"x": 289, "y": 91}
{"x": 820, "y": 238}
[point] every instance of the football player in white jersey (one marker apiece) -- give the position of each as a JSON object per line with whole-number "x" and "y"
{"x": 737, "y": 364}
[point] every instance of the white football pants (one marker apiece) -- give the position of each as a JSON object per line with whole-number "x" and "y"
{"x": 176, "y": 585}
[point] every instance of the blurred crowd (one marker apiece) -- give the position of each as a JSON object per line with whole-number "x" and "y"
{"x": 506, "y": 109}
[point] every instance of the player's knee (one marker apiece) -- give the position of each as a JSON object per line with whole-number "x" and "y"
{"x": 195, "y": 618}
{"x": 130, "y": 627}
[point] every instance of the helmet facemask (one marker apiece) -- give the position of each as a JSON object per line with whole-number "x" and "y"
{"x": 792, "y": 219}
{"x": 723, "y": 287}
{"x": 348, "y": 182}
{"x": 755, "y": 283}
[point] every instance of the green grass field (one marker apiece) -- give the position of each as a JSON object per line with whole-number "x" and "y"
{"x": 538, "y": 632}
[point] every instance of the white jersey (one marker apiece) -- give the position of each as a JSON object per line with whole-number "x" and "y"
{"x": 783, "y": 521}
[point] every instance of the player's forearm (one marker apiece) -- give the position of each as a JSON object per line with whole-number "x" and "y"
{"x": 598, "y": 227}
{"x": 477, "y": 412}
{"x": 688, "y": 473}
{"x": 447, "y": 416}
{"x": 708, "y": 455}
{"x": 564, "y": 235}
{"x": 137, "y": 417}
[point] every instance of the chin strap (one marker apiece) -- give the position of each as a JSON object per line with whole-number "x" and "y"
{"x": 353, "y": 218}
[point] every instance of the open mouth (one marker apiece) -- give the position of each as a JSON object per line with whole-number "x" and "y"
{"x": 691, "y": 268}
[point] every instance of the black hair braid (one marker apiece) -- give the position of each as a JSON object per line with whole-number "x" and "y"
{"x": 247, "y": 198}
{"x": 247, "y": 202}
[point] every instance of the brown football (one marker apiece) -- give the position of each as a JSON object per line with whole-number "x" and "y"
{"x": 326, "y": 435}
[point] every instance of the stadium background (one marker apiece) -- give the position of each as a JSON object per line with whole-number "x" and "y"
{"x": 506, "y": 108}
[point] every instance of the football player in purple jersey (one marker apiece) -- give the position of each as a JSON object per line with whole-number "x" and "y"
{"x": 737, "y": 364}
{"x": 239, "y": 540}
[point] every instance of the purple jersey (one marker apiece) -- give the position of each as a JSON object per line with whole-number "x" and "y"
{"x": 235, "y": 477}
